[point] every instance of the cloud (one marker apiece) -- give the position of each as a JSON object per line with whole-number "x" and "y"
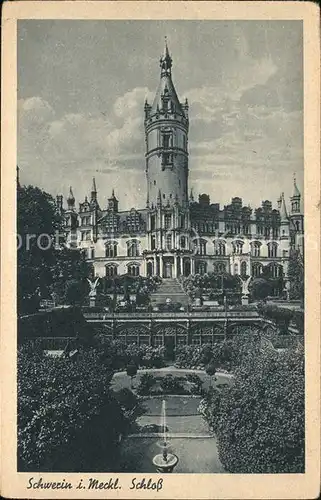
{"x": 78, "y": 146}
{"x": 131, "y": 103}
{"x": 76, "y": 137}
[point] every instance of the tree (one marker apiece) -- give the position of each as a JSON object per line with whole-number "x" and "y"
{"x": 260, "y": 288}
{"x": 68, "y": 417}
{"x": 296, "y": 275}
{"x": 259, "y": 419}
{"x": 44, "y": 262}
{"x": 75, "y": 291}
{"x": 130, "y": 405}
{"x": 131, "y": 371}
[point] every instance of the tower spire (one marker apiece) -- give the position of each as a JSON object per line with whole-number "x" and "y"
{"x": 283, "y": 210}
{"x": 296, "y": 192}
{"x": 166, "y": 61}
{"x": 94, "y": 189}
{"x": 71, "y": 199}
{"x": 93, "y": 194}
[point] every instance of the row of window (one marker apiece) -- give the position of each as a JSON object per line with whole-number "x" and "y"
{"x": 132, "y": 249}
{"x": 200, "y": 247}
{"x": 201, "y": 267}
{"x": 237, "y": 248}
{"x": 237, "y": 229}
{"x": 112, "y": 270}
{"x": 167, "y": 221}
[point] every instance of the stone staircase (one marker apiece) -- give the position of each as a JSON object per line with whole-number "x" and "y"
{"x": 170, "y": 288}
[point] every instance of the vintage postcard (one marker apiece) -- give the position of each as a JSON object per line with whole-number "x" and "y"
{"x": 160, "y": 252}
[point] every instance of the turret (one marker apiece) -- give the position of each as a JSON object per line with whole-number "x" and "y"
{"x": 295, "y": 198}
{"x": 93, "y": 194}
{"x": 296, "y": 215}
{"x": 71, "y": 200}
{"x": 284, "y": 218}
{"x": 166, "y": 131}
{"x": 113, "y": 203}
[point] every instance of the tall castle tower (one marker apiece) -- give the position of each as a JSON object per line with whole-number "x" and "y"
{"x": 166, "y": 135}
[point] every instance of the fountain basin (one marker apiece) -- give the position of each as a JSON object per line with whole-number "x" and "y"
{"x": 162, "y": 465}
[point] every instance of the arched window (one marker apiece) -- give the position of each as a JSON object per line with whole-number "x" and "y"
{"x": 201, "y": 267}
{"x": 272, "y": 249}
{"x": 153, "y": 242}
{"x": 297, "y": 224}
{"x": 133, "y": 269}
{"x": 219, "y": 247}
{"x": 200, "y": 247}
{"x": 111, "y": 249}
{"x": 132, "y": 248}
{"x": 237, "y": 247}
{"x": 149, "y": 268}
{"x": 183, "y": 242}
{"x": 236, "y": 268}
{"x": 274, "y": 270}
{"x": 169, "y": 241}
{"x": 256, "y": 269}
{"x": 256, "y": 249}
{"x": 168, "y": 221}
{"x": 111, "y": 270}
{"x": 243, "y": 269}
{"x": 221, "y": 267}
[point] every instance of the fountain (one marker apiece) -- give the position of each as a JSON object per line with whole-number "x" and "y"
{"x": 165, "y": 462}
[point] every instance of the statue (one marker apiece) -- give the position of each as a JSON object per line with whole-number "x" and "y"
{"x": 93, "y": 286}
{"x": 245, "y": 285}
{"x": 245, "y": 290}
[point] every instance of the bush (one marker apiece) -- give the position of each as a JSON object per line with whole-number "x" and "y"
{"x": 259, "y": 419}
{"x": 172, "y": 385}
{"x": 146, "y": 383}
{"x": 196, "y": 383}
{"x": 131, "y": 371}
{"x": 130, "y": 405}
{"x": 122, "y": 354}
{"x": 298, "y": 318}
{"x": 280, "y": 315}
{"x": 68, "y": 417}
{"x": 209, "y": 408}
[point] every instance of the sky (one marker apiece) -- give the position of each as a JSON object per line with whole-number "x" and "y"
{"x": 82, "y": 87}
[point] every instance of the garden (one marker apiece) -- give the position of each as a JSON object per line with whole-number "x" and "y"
{"x": 65, "y": 406}
{"x": 126, "y": 292}
{"x": 212, "y": 287}
{"x": 258, "y": 420}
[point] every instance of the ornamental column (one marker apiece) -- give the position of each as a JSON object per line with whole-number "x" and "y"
{"x": 161, "y": 266}
{"x": 175, "y": 266}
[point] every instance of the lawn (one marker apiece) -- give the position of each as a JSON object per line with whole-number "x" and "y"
{"x": 195, "y": 455}
{"x": 175, "y": 405}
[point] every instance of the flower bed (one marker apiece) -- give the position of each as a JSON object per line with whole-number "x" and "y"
{"x": 169, "y": 385}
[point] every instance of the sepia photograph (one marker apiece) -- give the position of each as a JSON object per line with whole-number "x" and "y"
{"x": 163, "y": 289}
{"x": 160, "y": 186}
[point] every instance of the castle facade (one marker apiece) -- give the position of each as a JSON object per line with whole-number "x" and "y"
{"x": 174, "y": 234}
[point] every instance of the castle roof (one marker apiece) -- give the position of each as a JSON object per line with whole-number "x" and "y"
{"x": 166, "y": 89}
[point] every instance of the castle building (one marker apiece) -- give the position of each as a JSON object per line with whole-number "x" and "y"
{"x": 174, "y": 234}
